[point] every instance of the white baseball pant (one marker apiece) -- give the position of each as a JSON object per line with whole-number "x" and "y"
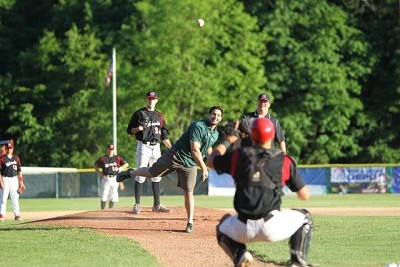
{"x": 146, "y": 156}
{"x": 11, "y": 185}
{"x": 109, "y": 188}
{"x": 281, "y": 226}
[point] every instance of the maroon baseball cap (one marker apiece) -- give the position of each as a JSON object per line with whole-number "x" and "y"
{"x": 152, "y": 95}
{"x": 264, "y": 97}
{"x": 111, "y": 147}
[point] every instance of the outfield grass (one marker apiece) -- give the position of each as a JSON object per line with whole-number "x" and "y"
{"x": 338, "y": 240}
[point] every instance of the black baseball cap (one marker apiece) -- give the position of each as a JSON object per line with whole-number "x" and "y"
{"x": 152, "y": 95}
{"x": 264, "y": 97}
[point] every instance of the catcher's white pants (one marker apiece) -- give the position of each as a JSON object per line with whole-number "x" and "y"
{"x": 11, "y": 185}
{"x": 281, "y": 226}
{"x": 109, "y": 188}
{"x": 146, "y": 155}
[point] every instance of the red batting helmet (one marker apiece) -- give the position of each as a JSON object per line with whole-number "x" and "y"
{"x": 262, "y": 130}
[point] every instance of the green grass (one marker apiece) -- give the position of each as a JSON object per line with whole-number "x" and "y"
{"x": 344, "y": 241}
{"x": 338, "y": 240}
{"x": 62, "y": 246}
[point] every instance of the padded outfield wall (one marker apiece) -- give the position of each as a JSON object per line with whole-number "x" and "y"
{"x": 322, "y": 179}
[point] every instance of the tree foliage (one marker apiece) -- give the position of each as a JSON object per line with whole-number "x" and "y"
{"x": 331, "y": 67}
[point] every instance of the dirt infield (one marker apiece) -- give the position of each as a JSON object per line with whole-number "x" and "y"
{"x": 162, "y": 235}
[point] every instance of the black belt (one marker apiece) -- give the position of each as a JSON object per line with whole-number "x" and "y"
{"x": 152, "y": 143}
{"x": 244, "y": 218}
{"x": 109, "y": 176}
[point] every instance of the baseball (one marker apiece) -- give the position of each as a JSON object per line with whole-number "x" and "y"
{"x": 200, "y": 22}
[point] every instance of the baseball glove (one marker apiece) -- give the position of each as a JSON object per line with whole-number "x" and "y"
{"x": 231, "y": 128}
{"x": 244, "y": 125}
{"x": 21, "y": 188}
{"x": 144, "y": 119}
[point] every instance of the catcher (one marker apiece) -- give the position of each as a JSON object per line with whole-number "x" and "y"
{"x": 260, "y": 172}
{"x": 11, "y": 181}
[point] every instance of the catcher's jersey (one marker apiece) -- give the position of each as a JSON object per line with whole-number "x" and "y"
{"x": 110, "y": 165}
{"x": 156, "y": 129}
{"x": 254, "y": 200}
{"x": 10, "y": 166}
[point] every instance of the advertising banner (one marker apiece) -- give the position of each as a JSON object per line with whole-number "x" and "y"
{"x": 396, "y": 180}
{"x": 359, "y": 180}
{"x": 223, "y": 185}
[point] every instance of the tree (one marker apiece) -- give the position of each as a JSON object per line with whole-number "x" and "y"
{"x": 316, "y": 60}
{"x": 380, "y": 21}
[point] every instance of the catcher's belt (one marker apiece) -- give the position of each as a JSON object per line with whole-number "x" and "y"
{"x": 151, "y": 143}
{"x": 244, "y": 218}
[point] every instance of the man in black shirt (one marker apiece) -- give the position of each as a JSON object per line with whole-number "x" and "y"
{"x": 262, "y": 111}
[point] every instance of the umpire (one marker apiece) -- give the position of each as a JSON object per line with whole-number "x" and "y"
{"x": 260, "y": 172}
{"x": 149, "y": 127}
{"x": 262, "y": 111}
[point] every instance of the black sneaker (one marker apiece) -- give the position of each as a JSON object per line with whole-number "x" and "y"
{"x": 160, "y": 208}
{"x": 124, "y": 175}
{"x": 189, "y": 228}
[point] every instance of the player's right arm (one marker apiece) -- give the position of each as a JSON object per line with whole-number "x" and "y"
{"x": 1, "y": 176}
{"x": 294, "y": 181}
{"x": 133, "y": 126}
{"x": 96, "y": 166}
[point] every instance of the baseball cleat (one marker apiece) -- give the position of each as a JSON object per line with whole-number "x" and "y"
{"x": 189, "y": 228}
{"x": 18, "y": 218}
{"x": 124, "y": 175}
{"x": 1, "y": 218}
{"x": 136, "y": 209}
{"x": 246, "y": 259}
{"x": 160, "y": 208}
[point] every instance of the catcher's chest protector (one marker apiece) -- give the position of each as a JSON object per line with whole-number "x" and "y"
{"x": 266, "y": 169}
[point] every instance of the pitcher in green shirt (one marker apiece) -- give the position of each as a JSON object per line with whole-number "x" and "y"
{"x": 184, "y": 157}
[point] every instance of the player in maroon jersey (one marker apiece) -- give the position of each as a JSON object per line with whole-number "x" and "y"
{"x": 110, "y": 165}
{"x": 12, "y": 181}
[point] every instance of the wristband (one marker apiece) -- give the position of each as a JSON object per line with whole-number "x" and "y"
{"x": 226, "y": 143}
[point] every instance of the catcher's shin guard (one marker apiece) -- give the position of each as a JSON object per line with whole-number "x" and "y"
{"x": 232, "y": 248}
{"x": 300, "y": 241}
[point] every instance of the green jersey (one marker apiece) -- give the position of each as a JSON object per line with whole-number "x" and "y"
{"x": 199, "y": 131}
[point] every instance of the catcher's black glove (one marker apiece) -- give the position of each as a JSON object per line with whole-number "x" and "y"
{"x": 144, "y": 119}
{"x": 244, "y": 125}
{"x": 231, "y": 129}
